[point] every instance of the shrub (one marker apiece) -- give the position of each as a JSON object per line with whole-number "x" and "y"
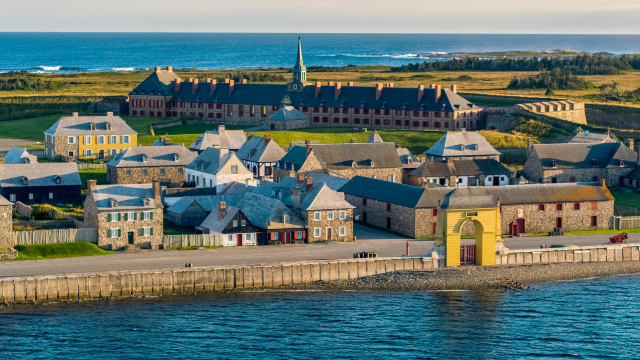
{"x": 41, "y": 212}
{"x": 555, "y": 79}
{"x": 532, "y": 127}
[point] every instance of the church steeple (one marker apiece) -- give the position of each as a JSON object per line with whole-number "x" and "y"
{"x": 299, "y": 71}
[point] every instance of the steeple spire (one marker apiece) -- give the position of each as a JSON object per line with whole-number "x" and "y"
{"x": 299, "y": 57}
{"x": 299, "y": 71}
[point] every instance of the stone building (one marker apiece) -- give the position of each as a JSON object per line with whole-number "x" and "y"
{"x": 535, "y": 208}
{"x": 125, "y": 215}
{"x": 260, "y": 155}
{"x": 41, "y": 183}
{"x": 191, "y": 211}
{"x": 279, "y": 224}
{"x": 216, "y": 168}
{"x": 221, "y": 138}
{"x": 580, "y": 162}
{"x": 6, "y": 224}
{"x": 287, "y": 118}
{"x": 164, "y": 94}
{"x": 143, "y": 164}
{"x": 408, "y": 160}
{"x": 88, "y": 137}
{"x": 379, "y": 160}
{"x": 326, "y": 213}
{"x": 460, "y": 173}
{"x": 564, "y": 109}
{"x": 234, "y": 226}
{"x": 18, "y": 156}
{"x": 462, "y": 145}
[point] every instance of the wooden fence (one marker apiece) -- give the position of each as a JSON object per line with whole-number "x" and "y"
{"x": 46, "y": 223}
{"x": 91, "y": 166}
{"x": 172, "y": 241}
{"x": 626, "y": 222}
{"x": 22, "y": 209}
{"x": 54, "y": 236}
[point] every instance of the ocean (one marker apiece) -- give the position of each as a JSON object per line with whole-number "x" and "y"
{"x": 81, "y": 52}
{"x": 584, "y": 319}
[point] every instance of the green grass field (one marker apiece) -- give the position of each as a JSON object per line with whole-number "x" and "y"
{"x": 96, "y": 174}
{"x": 53, "y": 251}
{"x": 624, "y": 198}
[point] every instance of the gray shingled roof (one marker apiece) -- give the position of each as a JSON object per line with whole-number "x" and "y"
{"x": 81, "y": 125}
{"x": 5, "y": 202}
{"x": 207, "y": 202}
{"x": 333, "y": 182}
{"x": 210, "y": 161}
{"x": 461, "y": 168}
{"x": 589, "y": 138}
{"x": 580, "y": 155}
{"x": 267, "y": 213}
{"x": 374, "y": 138}
{"x": 387, "y": 191}
{"x": 342, "y": 156}
{"x": 404, "y": 155}
{"x": 288, "y": 113}
{"x": 257, "y": 149}
{"x": 156, "y": 156}
{"x": 158, "y": 83}
{"x": 321, "y": 197}
{"x": 129, "y": 197}
{"x": 451, "y": 145}
{"x": 41, "y": 174}
{"x": 211, "y": 221}
{"x": 229, "y": 139}
{"x": 19, "y": 156}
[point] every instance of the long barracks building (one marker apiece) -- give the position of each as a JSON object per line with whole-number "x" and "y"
{"x": 164, "y": 94}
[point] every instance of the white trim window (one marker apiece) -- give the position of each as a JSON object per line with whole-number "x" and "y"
{"x": 88, "y": 152}
{"x": 390, "y": 178}
{"x": 342, "y": 231}
{"x": 146, "y": 231}
{"x": 115, "y": 217}
{"x": 125, "y": 139}
{"x": 147, "y": 215}
{"x": 298, "y": 234}
{"x": 114, "y": 233}
{"x": 243, "y": 223}
{"x": 50, "y": 195}
{"x": 12, "y": 197}
{"x": 30, "y": 196}
{"x": 276, "y": 235}
{"x": 100, "y": 140}
{"x": 316, "y": 216}
{"x": 343, "y": 215}
{"x": 87, "y": 140}
{"x": 329, "y": 215}
{"x": 113, "y": 139}
{"x": 316, "y": 232}
{"x": 71, "y": 139}
{"x": 113, "y": 152}
{"x": 131, "y": 216}
{"x": 235, "y": 223}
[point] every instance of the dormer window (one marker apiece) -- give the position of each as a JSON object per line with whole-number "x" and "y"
{"x": 362, "y": 105}
{"x": 285, "y": 218}
{"x": 422, "y": 107}
{"x": 404, "y": 106}
{"x": 341, "y": 103}
{"x": 147, "y": 202}
{"x": 114, "y": 203}
{"x": 216, "y": 100}
{"x": 553, "y": 164}
{"x": 153, "y": 92}
{"x": 27, "y": 161}
{"x": 594, "y": 162}
{"x": 180, "y": 98}
{"x": 143, "y": 91}
{"x": 25, "y": 181}
{"x": 621, "y": 163}
{"x": 354, "y": 165}
{"x": 461, "y": 147}
{"x": 198, "y": 98}
{"x": 58, "y": 180}
{"x": 108, "y": 125}
{"x": 372, "y": 163}
{"x": 384, "y": 104}
{"x": 176, "y": 157}
{"x": 322, "y": 103}
{"x": 93, "y": 126}
{"x": 145, "y": 158}
{"x": 135, "y": 91}
{"x": 409, "y": 161}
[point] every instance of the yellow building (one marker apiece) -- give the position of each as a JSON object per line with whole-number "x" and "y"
{"x": 88, "y": 137}
{"x": 456, "y": 210}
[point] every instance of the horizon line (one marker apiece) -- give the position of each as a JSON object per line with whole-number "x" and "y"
{"x": 311, "y": 33}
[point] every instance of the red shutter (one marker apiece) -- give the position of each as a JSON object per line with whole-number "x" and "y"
{"x": 271, "y": 236}
{"x": 304, "y": 234}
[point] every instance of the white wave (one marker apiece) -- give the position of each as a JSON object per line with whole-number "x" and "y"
{"x": 123, "y": 69}
{"x": 394, "y": 56}
{"x": 49, "y": 68}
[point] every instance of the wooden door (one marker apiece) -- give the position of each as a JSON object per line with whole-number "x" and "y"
{"x": 559, "y": 222}
{"x": 101, "y": 154}
{"x": 496, "y": 180}
{"x": 239, "y": 240}
{"x": 520, "y": 223}
{"x": 130, "y": 237}
{"x": 621, "y": 181}
{"x": 287, "y": 237}
{"x": 433, "y": 228}
{"x": 329, "y": 233}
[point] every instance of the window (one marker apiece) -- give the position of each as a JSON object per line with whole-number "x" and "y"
{"x": 594, "y": 206}
{"x": 342, "y": 231}
{"x": 100, "y": 140}
{"x": 230, "y": 110}
{"x": 128, "y": 172}
{"x": 243, "y": 223}
{"x": 576, "y": 206}
{"x": 388, "y": 222}
{"x": 298, "y": 234}
{"x": 234, "y": 169}
{"x": 113, "y": 139}
{"x": 125, "y": 139}
{"x": 316, "y": 216}
{"x": 554, "y": 180}
{"x": 558, "y": 207}
{"x": 113, "y": 217}
{"x": 161, "y": 171}
{"x": 330, "y": 215}
{"x": 144, "y": 172}
{"x": 594, "y": 221}
{"x": 88, "y": 152}
{"x": 343, "y": 215}
{"x": 12, "y": 197}
{"x": 390, "y": 178}
{"x": 113, "y": 233}
{"x": 87, "y": 140}
{"x": 148, "y": 215}
{"x": 434, "y": 212}
{"x": 130, "y": 216}
{"x": 30, "y": 196}
{"x": 388, "y": 207}
{"x": 541, "y": 207}
{"x": 595, "y": 178}
{"x": 113, "y": 152}
{"x": 70, "y": 153}
{"x": 275, "y": 236}
{"x": 147, "y": 231}
{"x": 50, "y": 195}
{"x": 235, "y": 223}
{"x": 210, "y": 182}
{"x": 572, "y": 179}
{"x": 180, "y": 171}
{"x": 316, "y": 232}
{"x": 71, "y": 139}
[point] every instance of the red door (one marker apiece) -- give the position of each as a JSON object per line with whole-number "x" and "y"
{"x": 239, "y": 240}
{"x": 287, "y": 238}
{"x": 559, "y": 222}
{"x": 520, "y": 223}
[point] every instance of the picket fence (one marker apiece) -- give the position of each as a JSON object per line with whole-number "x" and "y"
{"x": 172, "y": 241}
{"x": 54, "y": 236}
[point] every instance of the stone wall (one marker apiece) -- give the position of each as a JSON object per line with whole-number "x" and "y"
{"x": 6, "y": 227}
{"x": 61, "y": 147}
{"x": 8, "y": 255}
{"x": 500, "y": 122}
{"x": 614, "y": 116}
{"x": 119, "y": 175}
{"x": 574, "y": 116}
{"x": 403, "y": 219}
{"x": 280, "y": 125}
{"x": 607, "y": 253}
{"x": 324, "y": 223}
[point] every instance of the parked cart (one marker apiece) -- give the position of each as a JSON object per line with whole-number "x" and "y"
{"x": 618, "y": 239}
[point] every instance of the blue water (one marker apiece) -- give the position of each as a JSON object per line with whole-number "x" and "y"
{"x": 70, "y": 52}
{"x": 587, "y": 319}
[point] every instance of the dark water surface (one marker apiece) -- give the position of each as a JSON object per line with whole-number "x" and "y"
{"x": 596, "y": 318}
{"x": 72, "y": 52}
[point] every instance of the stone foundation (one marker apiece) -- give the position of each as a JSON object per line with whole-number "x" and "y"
{"x": 9, "y": 255}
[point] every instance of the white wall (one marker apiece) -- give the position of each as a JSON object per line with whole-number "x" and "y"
{"x": 504, "y": 180}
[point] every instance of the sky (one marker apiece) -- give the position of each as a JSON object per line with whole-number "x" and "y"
{"x": 325, "y": 16}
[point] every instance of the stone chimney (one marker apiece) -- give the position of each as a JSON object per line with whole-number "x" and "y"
{"x": 318, "y": 87}
{"x": 267, "y": 137}
{"x": 438, "y": 93}
{"x": 420, "y": 92}
{"x": 295, "y": 196}
{"x": 231, "y": 87}
{"x": 111, "y": 114}
{"x": 390, "y": 84}
{"x": 529, "y": 145}
{"x": 300, "y": 178}
{"x": 156, "y": 190}
{"x": 223, "y": 152}
{"x": 91, "y": 184}
{"x": 176, "y": 85}
{"x": 194, "y": 86}
{"x": 629, "y": 143}
{"x": 75, "y": 114}
{"x": 307, "y": 143}
{"x": 169, "y": 68}
{"x": 454, "y": 89}
{"x": 378, "y": 90}
{"x": 222, "y": 210}
{"x": 157, "y": 68}
{"x": 1, "y": 161}
{"x": 350, "y": 83}
{"x": 221, "y": 130}
{"x": 243, "y": 81}
{"x": 308, "y": 184}
{"x": 330, "y": 83}
{"x": 432, "y": 86}
{"x": 167, "y": 141}
{"x": 212, "y": 86}
{"x": 338, "y": 89}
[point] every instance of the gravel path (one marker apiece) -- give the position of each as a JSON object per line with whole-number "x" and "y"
{"x": 475, "y": 277}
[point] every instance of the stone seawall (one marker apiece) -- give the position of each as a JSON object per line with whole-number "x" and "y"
{"x": 195, "y": 280}
{"x": 630, "y": 252}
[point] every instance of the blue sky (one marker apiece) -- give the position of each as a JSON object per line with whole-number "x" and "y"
{"x": 398, "y": 16}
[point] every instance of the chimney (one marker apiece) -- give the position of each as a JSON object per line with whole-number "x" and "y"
{"x": 267, "y": 137}
{"x": 221, "y": 130}
{"x": 529, "y": 145}
{"x": 432, "y": 86}
{"x": 1, "y": 161}
{"x": 167, "y": 141}
{"x": 230, "y": 87}
{"x": 307, "y": 143}
{"x": 111, "y": 114}
{"x": 338, "y": 89}
{"x": 212, "y": 86}
{"x": 223, "y": 152}
{"x": 629, "y": 143}
{"x": 350, "y": 83}
{"x": 226, "y": 81}
{"x": 155, "y": 187}
{"x": 176, "y": 85}
{"x": 295, "y": 196}
{"x": 222, "y": 210}
{"x": 157, "y": 68}
{"x": 330, "y": 83}
{"x": 169, "y": 68}
{"x": 318, "y": 85}
{"x": 378, "y": 90}
{"x": 420, "y": 92}
{"x": 161, "y": 138}
{"x": 194, "y": 86}
{"x": 243, "y": 81}
{"x": 454, "y": 89}
{"x": 602, "y": 183}
{"x": 75, "y": 114}
{"x": 91, "y": 184}
{"x": 190, "y": 80}
{"x": 308, "y": 184}
{"x": 352, "y": 141}
{"x": 390, "y": 84}
{"x": 300, "y": 178}
{"x": 438, "y": 92}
